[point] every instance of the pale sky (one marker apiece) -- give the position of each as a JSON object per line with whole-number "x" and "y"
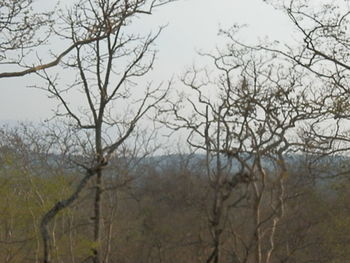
{"x": 192, "y": 26}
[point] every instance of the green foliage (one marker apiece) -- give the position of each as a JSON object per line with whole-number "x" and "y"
{"x": 25, "y": 197}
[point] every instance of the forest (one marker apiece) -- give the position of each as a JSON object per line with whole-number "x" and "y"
{"x": 243, "y": 159}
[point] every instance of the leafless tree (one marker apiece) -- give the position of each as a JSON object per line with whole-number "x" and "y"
{"x": 245, "y": 119}
{"x": 321, "y": 50}
{"x": 107, "y": 68}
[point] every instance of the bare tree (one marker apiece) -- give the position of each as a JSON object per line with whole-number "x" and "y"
{"x": 245, "y": 119}
{"x": 107, "y": 69}
{"x": 321, "y": 51}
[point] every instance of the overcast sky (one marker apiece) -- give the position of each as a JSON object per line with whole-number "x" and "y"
{"x": 192, "y": 26}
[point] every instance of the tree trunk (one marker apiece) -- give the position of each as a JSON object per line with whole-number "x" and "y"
{"x": 97, "y": 218}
